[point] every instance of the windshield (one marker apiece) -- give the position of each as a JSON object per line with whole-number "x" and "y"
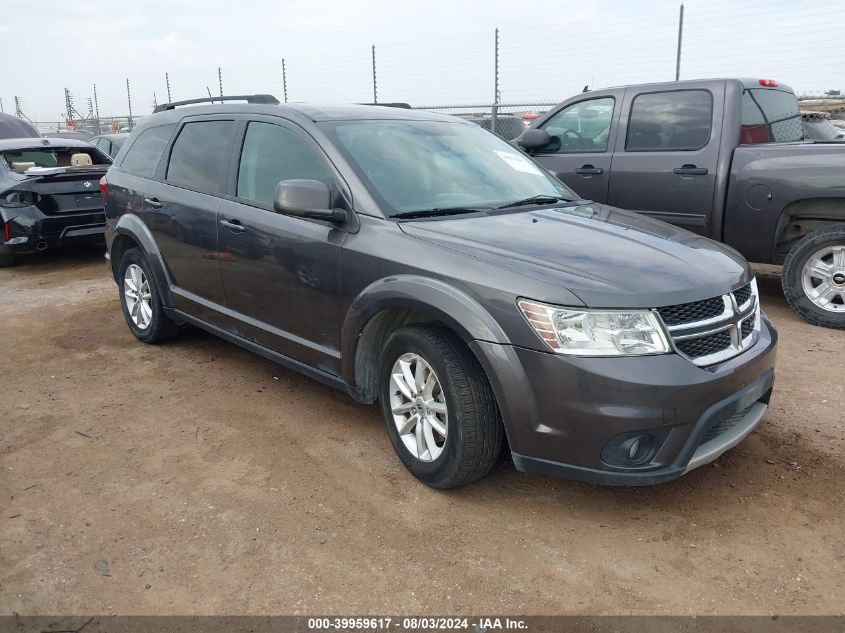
{"x": 421, "y": 165}
{"x": 770, "y": 116}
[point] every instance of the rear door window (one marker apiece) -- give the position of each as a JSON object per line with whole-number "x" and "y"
{"x": 679, "y": 120}
{"x": 199, "y": 159}
{"x": 145, "y": 153}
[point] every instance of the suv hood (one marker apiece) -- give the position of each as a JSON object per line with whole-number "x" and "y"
{"x": 606, "y": 256}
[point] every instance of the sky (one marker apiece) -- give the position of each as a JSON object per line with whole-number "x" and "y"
{"x": 428, "y": 52}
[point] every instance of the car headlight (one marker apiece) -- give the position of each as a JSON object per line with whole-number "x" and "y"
{"x": 596, "y": 332}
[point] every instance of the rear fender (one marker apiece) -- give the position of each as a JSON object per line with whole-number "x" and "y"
{"x": 130, "y": 226}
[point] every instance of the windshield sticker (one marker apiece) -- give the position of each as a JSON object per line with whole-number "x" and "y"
{"x": 519, "y": 163}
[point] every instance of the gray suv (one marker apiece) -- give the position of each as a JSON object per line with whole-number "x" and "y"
{"x": 420, "y": 261}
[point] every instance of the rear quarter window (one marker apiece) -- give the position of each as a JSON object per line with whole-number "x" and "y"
{"x": 145, "y": 153}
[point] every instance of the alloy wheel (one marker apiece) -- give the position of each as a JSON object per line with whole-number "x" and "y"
{"x": 418, "y": 405}
{"x": 823, "y": 278}
{"x": 136, "y": 290}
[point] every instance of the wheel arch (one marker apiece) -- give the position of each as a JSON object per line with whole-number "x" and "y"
{"x": 388, "y": 305}
{"x": 799, "y": 218}
{"x": 130, "y": 231}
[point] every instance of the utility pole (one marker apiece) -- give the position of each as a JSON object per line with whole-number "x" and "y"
{"x": 68, "y": 107}
{"x": 155, "y": 101}
{"x": 167, "y": 81}
{"x": 1, "y": 105}
{"x": 129, "y": 101}
{"x": 18, "y": 111}
{"x": 375, "y": 83}
{"x": 97, "y": 110}
{"x": 284, "y": 80}
{"x": 680, "y": 38}
{"x": 220, "y": 79}
{"x": 494, "y": 112}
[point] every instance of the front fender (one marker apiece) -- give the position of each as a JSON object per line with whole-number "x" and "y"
{"x": 436, "y": 298}
{"x": 131, "y": 226}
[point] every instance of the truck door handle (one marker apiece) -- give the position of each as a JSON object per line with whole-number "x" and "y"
{"x": 589, "y": 170}
{"x": 690, "y": 170}
{"x": 155, "y": 203}
{"x": 233, "y": 225}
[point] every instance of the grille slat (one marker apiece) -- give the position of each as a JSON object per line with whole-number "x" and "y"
{"x": 705, "y": 345}
{"x": 691, "y": 312}
{"x": 724, "y": 426}
{"x": 747, "y": 327}
{"x": 742, "y": 295}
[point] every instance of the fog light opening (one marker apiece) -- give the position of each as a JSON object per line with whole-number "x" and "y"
{"x": 638, "y": 449}
{"x": 632, "y": 452}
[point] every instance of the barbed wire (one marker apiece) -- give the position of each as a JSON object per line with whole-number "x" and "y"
{"x": 555, "y": 58}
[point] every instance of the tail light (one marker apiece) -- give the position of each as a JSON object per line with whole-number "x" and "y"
{"x": 5, "y": 232}
{"x": 104, "y": 186}
{"x": 768, "y": 83}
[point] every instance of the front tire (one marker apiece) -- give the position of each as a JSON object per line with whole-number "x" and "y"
{"x": 141, "y": 301}
{"x": 814, "y": 277}
{"x": 438, "y": 407}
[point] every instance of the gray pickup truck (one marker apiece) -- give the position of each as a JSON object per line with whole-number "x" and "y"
{"x": 724, "y": 158}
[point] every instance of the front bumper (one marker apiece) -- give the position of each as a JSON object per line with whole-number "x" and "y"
{"x": 572, "y": 416}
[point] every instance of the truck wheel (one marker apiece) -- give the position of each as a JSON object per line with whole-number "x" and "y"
{"x": 6, "y": 259}
{"x": 141, "y": 301}
{"x": 814, "y": 277}
{"x": 439, "y": 409}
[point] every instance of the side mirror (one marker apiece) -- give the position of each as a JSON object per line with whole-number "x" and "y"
{"x": 533, "y": 139}
{"x": 307, "y": 199}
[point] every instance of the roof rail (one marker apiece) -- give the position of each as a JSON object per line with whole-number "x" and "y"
{"x": 405, "y": 106}
{"x": 267, "y": 99}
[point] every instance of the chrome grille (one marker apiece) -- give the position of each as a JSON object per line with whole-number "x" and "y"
{"x": 742, "y": 295}
{"x": 715, "y": 329}
{"x": 705, "y": 345}
{"x": 691, "y": 312}
{"x": 747, "y": 327}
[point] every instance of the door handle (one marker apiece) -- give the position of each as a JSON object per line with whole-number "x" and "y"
{"x": 589, "y": 170}
{"x": 233, "y": 225}
{"x": 690, "y": 170}
{"x": 155, "y": 203}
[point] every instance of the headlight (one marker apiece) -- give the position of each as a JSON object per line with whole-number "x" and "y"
{"x": 596, "y": 332}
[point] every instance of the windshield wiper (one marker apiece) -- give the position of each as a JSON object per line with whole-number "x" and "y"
{"x": 425, "y": 213}
{"x": 540, "y": 199}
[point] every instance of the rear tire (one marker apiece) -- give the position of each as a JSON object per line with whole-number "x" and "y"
{"x": 6, "y": 259}
{"x": 141, "y": 301}
{"x": 813, "y": 277}
{"x": 450, "y": 393}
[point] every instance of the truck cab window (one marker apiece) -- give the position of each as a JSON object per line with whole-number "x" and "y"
{"x": 581, "y": 127}
{"x": 679, "y": 120}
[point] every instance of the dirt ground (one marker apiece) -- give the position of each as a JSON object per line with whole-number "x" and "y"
{"x": 197, "y": 478}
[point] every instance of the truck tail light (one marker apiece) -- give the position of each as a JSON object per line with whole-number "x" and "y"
{"x": 768, "y": 83}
